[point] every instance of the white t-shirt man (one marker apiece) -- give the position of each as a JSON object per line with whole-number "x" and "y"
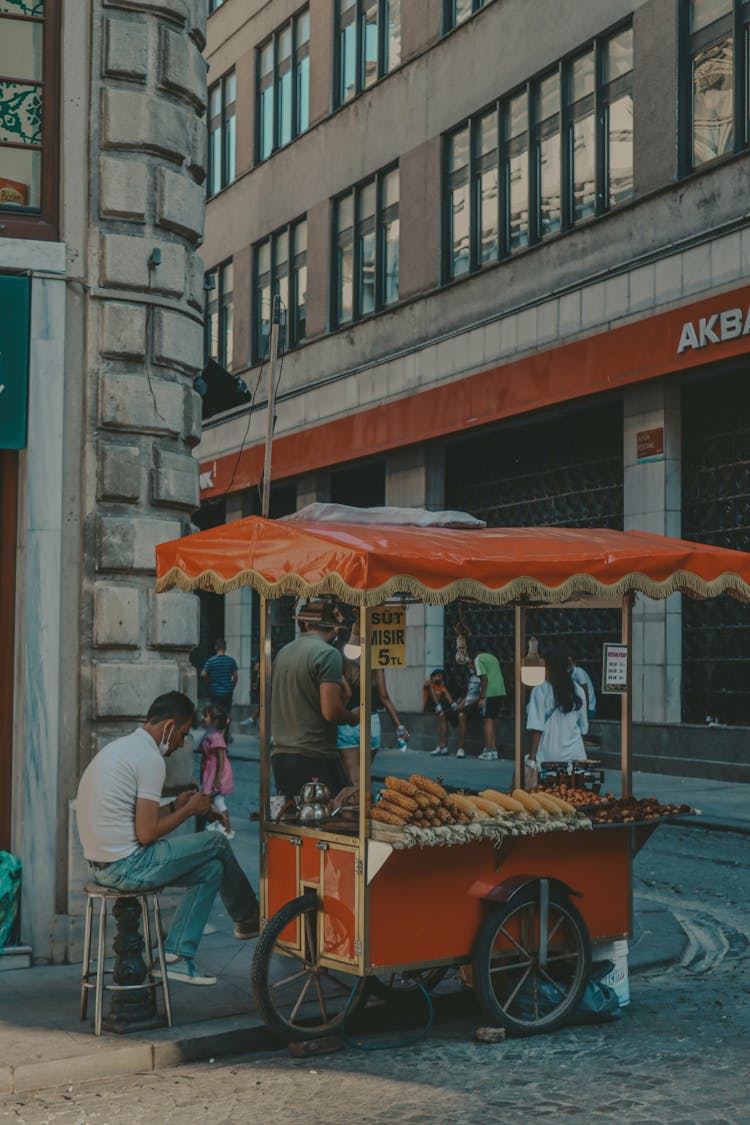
{"x": 122, "y": 772}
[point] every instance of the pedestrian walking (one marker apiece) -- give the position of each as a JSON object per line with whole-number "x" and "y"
{"x": 221, "y": 673}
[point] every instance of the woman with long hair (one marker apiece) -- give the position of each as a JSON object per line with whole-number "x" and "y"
{"x": 557, "y": 715}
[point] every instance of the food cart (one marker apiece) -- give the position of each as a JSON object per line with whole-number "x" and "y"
{"x": 517, "y": 899}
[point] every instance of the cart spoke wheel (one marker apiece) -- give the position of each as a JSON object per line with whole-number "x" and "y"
{"x": 298, "y": 997}
{"x": 522, "y": 983}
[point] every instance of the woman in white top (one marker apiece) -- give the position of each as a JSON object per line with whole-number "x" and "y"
{"x": 556, "y": 716}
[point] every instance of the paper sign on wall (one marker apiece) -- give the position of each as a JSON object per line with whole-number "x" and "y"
{"x": 615, "y": 669}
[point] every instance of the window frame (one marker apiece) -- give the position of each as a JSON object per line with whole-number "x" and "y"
{"x": 384, "y": 64}
{"x": 42, "y": 222}
{"x": 225, "y": 121}
{"x": 291, "y": 337}
{"x": 383, "y": 215}
{"x": 450, "y": 23}
{"x": 737, "y": 23}
{"x": 299, "y": 51}
{"x": 602, "y": 96}
{"x": 218, "y": 306}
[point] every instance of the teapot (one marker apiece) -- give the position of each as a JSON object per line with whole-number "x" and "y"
{"x": 314, "y": 802}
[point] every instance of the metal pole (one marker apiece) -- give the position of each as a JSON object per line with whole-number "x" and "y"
{"x": 520, "y": 695}
{"x": 626, "y": 700}
{"x": 271, "y": 412}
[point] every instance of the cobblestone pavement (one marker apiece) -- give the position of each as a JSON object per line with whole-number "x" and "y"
{"x": 679, "y": 1054}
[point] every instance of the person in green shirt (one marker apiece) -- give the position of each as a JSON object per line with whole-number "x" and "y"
{"x": 491, "y": 691}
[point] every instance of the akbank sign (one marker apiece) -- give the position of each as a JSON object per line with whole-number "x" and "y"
{"x": 714, "y": 329}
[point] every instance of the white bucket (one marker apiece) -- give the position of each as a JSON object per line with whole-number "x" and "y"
{"x": 617, "y": 978}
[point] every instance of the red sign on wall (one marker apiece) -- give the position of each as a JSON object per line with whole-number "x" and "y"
{"x": 650, "y": 445}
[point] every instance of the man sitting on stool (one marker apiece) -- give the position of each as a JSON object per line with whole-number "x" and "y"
{"x": 122, "y": 824}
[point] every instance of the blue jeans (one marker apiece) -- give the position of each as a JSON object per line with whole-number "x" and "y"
{"x": 204, "y": 863}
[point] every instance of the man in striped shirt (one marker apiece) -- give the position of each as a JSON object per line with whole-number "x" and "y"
{"x": 221, "y": 672}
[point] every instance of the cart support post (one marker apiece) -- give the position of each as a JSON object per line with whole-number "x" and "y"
{"x": 520, "y": 698}
{"x": 265, "y": 728}
{"x": 365, "y": 778}
{"x": 626, "y": 700}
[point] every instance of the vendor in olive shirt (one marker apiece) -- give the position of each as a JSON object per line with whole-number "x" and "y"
{"x": 307, "y": 707}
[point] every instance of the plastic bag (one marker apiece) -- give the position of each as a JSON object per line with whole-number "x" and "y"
{"x": 598, "y": 1004}
{"x": 10, "y": 895}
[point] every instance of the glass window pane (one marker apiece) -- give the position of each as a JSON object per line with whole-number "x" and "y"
{"x": 582, "y": 76}
{"x": 460, "y": 225}
{"x": 231, "y": 148}
{"x": 345, "y": 212}
{"x": 548, "y": 97}
{"x": 367, "y": 273}
{"x": 584, "y": 168}
{"x": 300, "y": 238}
{"x": 620, "y": 150}
{"x": 215, "y": 159}
{"x": 518, "y": 200}
{"x": 389, "y": 188}
{"x": 704, "y": 12}
{"x": 367, "y": 197}
{"x": 282, "y": 289}
{"x": 345, "y": 273}
{"x": 549, "y": 185}
{"x": 263, "y": 339}
{"x": 266, "y": 59}
{"x": 300, "y": 289}
{"x": 390, "y": 262}
{"x": 266, "y": 123}
{"x": 284, "y": 99}
{"x": 281, "y": 253}
{"x": 393, "y": 35}
{"x": 263, "y": 264}
{"x": 517, "y": 116}
{"x": 230, "y": 89}
{"x": 215, "y": 101}
{"x": 369, "y": 43}
{"x": 486, "y": 134}
{"x": 618, "y": 57}
{"x": 21, "y": 50}
{"x": 303, "y": 28}
{"x": 458, "y": 150}
{"x": 20, "y": 177}
{"x": 713, "y": 101}
{"x": 228, "y": 336}
{"x": 461, "y": 10}
{"x": 488, "y": 233}
{"x": 347, "y": 52}
{"x": 303, "y": 94}
{"x": 20, "y": 113}
{"x": 284, "y": 39}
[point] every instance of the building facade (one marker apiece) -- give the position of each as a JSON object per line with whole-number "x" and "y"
{"x": 512, "y": 251}
{"x": 102, "y": 162}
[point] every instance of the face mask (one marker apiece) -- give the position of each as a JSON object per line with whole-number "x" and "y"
{"x": 164, "y": 747}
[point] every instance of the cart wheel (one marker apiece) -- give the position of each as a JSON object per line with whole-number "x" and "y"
{"x": 297, "y": 997}
{"x": 516, "y": 988}
{"x": 402, "y": 988}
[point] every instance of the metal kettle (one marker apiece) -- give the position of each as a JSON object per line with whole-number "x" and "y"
{"x": 314, "y": 802}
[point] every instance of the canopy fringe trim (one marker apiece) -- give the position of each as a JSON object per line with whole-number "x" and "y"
{"x": 522, "y": 588}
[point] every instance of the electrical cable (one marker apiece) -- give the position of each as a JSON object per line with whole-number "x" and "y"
{"x": 410, "y": 1042}
{"x": 249, "y": 422}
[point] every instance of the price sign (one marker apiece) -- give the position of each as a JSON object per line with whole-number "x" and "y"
{"x": 615, "y": 670}
{"x": 388, "y": 637}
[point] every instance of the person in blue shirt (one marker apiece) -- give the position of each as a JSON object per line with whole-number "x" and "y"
{"x": 222, "y": 674}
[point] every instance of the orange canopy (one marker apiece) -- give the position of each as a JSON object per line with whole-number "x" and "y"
{"x": 364, "y": 565}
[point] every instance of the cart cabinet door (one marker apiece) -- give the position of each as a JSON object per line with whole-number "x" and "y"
{"x": 282, "y": 880}
{"x": 339, "y": 936}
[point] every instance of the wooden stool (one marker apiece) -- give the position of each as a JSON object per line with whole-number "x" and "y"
{"x": 105, "y": 894}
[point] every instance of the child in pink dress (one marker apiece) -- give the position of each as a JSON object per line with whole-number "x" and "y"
{"x": 216, "y": 770}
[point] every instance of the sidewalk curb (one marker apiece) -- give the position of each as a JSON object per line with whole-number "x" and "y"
{"x": 197, "y": 1042}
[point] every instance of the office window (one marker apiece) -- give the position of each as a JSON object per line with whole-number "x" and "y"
{"x": 28, "y": 117}
{"x": 365, "y": 248}
{"x": 283, "y": 64}
{"x": 368, "y": 44}
{"x": 456, "y": 11}
{"x": 222, "y": 133}
{"x": 219, "y": 317}
{"x": 280, "y": 268}
{"x": 714, "y": 79}
{"x": 538, "y": 161}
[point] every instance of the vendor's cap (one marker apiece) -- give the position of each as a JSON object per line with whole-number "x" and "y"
{"x": 319, "y": 612}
